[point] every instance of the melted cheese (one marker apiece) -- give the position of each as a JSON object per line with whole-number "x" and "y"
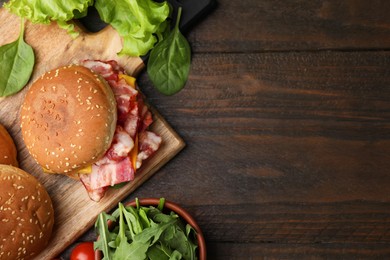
{"x": 129, "y": 79}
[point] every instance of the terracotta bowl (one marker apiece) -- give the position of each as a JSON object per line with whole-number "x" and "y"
{"x": 183, "y": 214}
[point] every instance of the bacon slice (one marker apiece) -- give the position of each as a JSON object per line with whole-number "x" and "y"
{"x": 132, "y": 122}
{"x": 94, "y": 194}
{"x": 106, "y": 175}
{"x": 121, "y": 145}
{"x": 148, "y": 143}
{"x": 109, "y": 174}
{"x": 134, "y": 118}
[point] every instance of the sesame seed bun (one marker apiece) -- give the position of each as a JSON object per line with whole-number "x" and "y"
{"x": 8, "y": 152}
{"x": 68, "y": 119}
{"x": 26, "y": 214}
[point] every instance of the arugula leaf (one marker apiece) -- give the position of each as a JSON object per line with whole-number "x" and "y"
{"x": 144, "y": 219}
{"x": 136, "y": 21}
{"x": 105, "y": 236}
{"x": 177, "y": 239}
{"x": 42, "y": 11}
{"x": 146, "y": 233}
{"x": 135, "y": 250}
{"x": 176, "y": 255}
{"x": 133, "y": 222}
{"x": 16, "y": 64}
{"x": 158, "y": 252}
{"x": 126, "y": 250}
{"x": 169, "y": 62}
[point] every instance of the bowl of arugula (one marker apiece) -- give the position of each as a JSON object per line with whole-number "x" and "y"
{"x": 149, "y": 228}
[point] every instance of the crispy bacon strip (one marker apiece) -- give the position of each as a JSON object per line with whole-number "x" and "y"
{"x": 148, "y": 143}
{"x": 109, "y": 174}
{"x": 134, "y": 118}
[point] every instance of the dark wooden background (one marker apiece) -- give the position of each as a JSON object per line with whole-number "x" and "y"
{"x": 286, "y": 116}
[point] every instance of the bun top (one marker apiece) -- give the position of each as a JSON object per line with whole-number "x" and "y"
{"x": 8, "y": 151}
{"x": 68, "y": 118}
{"x": 26, "y": 214}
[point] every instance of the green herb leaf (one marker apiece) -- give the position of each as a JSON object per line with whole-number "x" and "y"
{"x": 119, "y": 185}
{"x": 176, "y": 238}
{"x": 176, "y": 255}
{"x": 158, "y": 252}
{"x": 161, "y": 203}
{"x": 105, "y": 236}
{"x": 126, "y": 250}
{"x": 146, "y": 233}
{"x": 16, "y": 64}
{"x": 136, "y": 21}
{"x": 169, "y": 62}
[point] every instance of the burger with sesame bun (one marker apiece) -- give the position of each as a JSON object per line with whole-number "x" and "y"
{"x": 89, "y": 122}
{"x": 8, "y": 153}
{"x": 26, "y": 214}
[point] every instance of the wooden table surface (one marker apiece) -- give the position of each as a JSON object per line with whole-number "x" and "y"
{"x": 286, "y": 117}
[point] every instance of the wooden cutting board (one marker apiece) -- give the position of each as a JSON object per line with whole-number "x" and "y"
{"x": 53, "y": 47}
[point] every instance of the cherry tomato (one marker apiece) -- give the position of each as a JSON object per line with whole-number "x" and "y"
{"x": 83, "y": 251}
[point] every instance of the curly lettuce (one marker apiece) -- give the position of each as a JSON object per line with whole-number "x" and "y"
{"x": 44, "y": 12}
{"x": 140, "y": 23}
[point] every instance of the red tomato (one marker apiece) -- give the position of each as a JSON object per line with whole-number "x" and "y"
{"x": 83, "y": 251}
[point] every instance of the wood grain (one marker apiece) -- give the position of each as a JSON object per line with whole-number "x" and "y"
{"x": 74, "y": 211}
{"x": 278, "y": 25}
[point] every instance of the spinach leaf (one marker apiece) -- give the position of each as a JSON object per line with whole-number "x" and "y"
{"x": 169, "y": 62}
{"x": 16, "y": 64}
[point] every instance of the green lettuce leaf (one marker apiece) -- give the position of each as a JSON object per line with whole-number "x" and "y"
{"x": 43, "y": 11}
{"x": 139, "y": 22}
